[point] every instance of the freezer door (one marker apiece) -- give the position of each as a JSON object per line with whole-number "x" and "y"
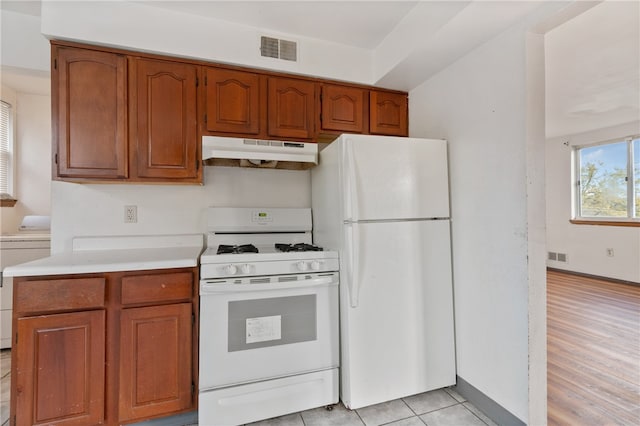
{"x": 398, "y": 338}
{"x": 394, "y": 178}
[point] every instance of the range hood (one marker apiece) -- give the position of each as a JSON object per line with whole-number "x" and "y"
{"x": 225, "y": 151}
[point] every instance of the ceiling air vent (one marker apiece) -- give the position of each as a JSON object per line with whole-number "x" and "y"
{"x": 275, "y": 48}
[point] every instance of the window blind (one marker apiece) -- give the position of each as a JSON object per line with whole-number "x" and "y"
{"x": 5, "y": 146}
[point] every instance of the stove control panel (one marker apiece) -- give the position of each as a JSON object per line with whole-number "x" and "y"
{"x": 243, "y": 269}
{"x": 261, "y": 216}
{"x": 253, "y": 269}
{"x": 313, "y": 265}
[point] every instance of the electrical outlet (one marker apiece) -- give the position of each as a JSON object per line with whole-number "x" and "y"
{"x": 610, "y": 252}
{"x": 130, "y": 214}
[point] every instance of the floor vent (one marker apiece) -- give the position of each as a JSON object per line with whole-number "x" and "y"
{"x": 275, "y": 48}
{"x": 558, "y": 257}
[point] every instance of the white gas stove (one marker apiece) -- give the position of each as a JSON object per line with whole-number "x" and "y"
{"x": 268, "y": 317}
{"x": 246, "y": 242}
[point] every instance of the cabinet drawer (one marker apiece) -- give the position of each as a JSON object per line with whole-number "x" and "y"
{"x": 157, "y": 288}
{"x": 59, "y": 295}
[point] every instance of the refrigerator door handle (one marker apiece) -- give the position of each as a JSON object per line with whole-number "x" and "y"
{"x": 354, "y": 265}
{"x": 349, "y": 179}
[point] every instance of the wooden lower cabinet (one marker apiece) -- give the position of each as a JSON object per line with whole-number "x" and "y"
{"x": 108, "y": 348}
{"x": 60, "y": 371}
{"x": 155, "y": 360}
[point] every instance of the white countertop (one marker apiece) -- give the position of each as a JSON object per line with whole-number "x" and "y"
{"x": 24, "y": 236}
{"x": 111, "y": 254}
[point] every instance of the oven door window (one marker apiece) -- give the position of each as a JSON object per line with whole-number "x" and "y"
{"x": 259, "y": 323}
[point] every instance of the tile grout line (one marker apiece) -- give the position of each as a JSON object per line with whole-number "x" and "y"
{"x": 360, "y": 417}
{"x": 412, "y": 410}
{"x": 475, "y": 414}
{"x": 441, "y": 408}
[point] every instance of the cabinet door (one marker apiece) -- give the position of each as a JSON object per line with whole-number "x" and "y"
{"x": 60, "y": 370}
{"x": 342, "y": 108}
{"x": 388, "y": 113}
{"x": 167, "y": 130}
{"x": 233, "y": 101}
{"x": 89, "y": 114}
{"x": 290, "y": 108}
{"x": 155, "y": 360}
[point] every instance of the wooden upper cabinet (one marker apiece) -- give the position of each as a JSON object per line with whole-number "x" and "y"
{"x": 233, "y": 101}
{"x": 343, "y": 108}
{"x": 388, "y": 113}
{"x": 167, "y": 143}
{"x": 291, "y": 111}
{"x": 155, "y": 360}
{"x": 89, "y": 114}
{"x": 60, "y": 369}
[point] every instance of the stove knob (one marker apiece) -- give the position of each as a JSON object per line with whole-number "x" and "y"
{"x": 315, "y": 265}
{"x": 231, "y": 269}
{"x": 246, "y": 268}
{"x": 302, "y": 266}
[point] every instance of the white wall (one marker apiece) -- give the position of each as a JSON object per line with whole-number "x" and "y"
{"x": 32, "y": 159}
{"x": 22, "y": 44}
{"x": 89, "y": 209}
{"x": 585, "y": 245}
{"x": 480, "y": 105}
{"x": 140, "y": 27}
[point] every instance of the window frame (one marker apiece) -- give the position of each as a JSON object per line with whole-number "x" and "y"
{"x": 8, "y": 198}
{"x": 576, "y": 204}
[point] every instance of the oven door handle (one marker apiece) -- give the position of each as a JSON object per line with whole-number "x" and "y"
{"x": 221, "y": 288}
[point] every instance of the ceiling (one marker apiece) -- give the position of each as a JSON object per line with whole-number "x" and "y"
{"x": 355, "y": 23}
{"x": 592, "y": 61}
{"x": 593, "y": 69}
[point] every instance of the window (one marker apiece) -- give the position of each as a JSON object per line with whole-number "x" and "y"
{"x": 6, "y": 154}
{"x": 607, "y": 178}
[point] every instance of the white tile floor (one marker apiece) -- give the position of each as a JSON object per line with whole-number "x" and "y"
{"x": 443, "y": 407}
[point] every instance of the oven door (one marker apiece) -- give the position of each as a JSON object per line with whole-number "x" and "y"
{"x": 257, "y": 331}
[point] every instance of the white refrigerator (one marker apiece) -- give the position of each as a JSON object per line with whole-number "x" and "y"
{"x": 383, "y": 203}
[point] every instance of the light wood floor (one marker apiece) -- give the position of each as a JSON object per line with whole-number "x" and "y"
{"x": 593, "y": 351}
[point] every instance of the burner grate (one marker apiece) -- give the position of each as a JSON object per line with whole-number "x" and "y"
{"x": 244, "y": 248}
{"x": 297, "y": 247}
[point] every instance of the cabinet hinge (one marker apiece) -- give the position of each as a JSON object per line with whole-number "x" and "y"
{"x": 197, "y": 165}
{"x": 56, "y": 158}
{"x": 193, "y": 388}
{"x": 193, "y": 318}
{"x": 197, "y": 82}
{"x": 55, "y": 64}
{"x": 16, "y": 338}
{"x": 205, "y": 80}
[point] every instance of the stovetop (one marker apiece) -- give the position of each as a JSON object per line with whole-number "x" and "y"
{"x": 236, "y": 249}
{"x": 260, "y": 253}
{"x": 297, "y": 247}
{"x": 250, "y": 248}
{"x": 260, "y": 242}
